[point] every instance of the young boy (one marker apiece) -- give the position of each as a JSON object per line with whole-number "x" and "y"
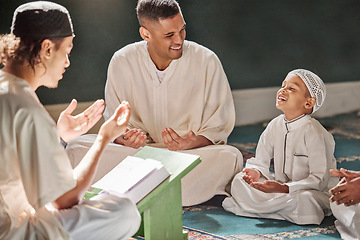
{"x": 302, "y": 150}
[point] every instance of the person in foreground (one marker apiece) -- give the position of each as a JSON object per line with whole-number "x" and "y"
{"x": 40, "y": 193}
{"x": 302, "y": 151}
{"x": 180, "y": 100}
{"x": 344, "y": 203}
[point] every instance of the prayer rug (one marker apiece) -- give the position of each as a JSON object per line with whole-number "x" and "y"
{"x": 210, "y": 218}
{"x": 194, "y": 234}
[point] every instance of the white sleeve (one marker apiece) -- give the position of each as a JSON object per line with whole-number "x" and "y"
{"x": 45, "y": 169}
{"x": 264, "y": 153}
{"x": 219, "y": 111}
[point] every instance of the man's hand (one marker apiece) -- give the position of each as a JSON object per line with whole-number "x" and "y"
{"x": 347, "y": 174}
{"x": 347, "y": 191}
{"x": 270, "y": 186}
{"x": 251, "y": 175}
{"x": 174, "y": 142}
{"x": 85, "y": 171}
{"x": 71, "y": 127}
{"x": 132, "y": 138}
{"x": 116, "y": 124}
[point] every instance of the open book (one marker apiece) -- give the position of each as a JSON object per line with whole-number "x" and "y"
{"x": 134, "y": 177}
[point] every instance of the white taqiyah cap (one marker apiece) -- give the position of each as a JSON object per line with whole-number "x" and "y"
{"x": 314, "y": 84}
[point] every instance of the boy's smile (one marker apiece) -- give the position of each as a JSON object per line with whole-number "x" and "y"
{"x": 281, "y": 97}
{"x": 292, "y": 98}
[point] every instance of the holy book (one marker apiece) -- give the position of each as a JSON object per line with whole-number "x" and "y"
{"x": 134, "y": 177}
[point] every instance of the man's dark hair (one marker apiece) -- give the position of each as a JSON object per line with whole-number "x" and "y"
{"x": 156, "y": 9}
{"x": 23, "y": 49}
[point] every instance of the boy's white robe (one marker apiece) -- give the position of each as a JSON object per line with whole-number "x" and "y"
{"x": 193, "y": 95}
{"x": 303, "y": 155}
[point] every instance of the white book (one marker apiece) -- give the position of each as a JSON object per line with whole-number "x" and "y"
{"x": 134, "y": 177}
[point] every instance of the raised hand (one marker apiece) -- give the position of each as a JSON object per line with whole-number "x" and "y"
{"x": 71, "y": 127}
{"x": 116, "y": 124}
{"x": 84, "y": 172}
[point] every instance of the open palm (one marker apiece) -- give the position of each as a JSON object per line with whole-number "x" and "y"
{"x": 71, "y": 127}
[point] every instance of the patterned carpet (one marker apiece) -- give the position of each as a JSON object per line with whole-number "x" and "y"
{"x": 210, "y": 221}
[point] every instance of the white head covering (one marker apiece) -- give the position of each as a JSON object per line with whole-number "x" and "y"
{"x": 314, "y": 84}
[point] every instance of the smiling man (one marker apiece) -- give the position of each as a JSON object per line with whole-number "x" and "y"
{"x": 180, "y": 99}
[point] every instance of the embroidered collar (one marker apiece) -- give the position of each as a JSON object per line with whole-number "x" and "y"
{"x": 297, "y": 122}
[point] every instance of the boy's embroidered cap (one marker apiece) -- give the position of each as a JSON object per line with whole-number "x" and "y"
{"x": 42, "y": 19}
{"x": 314, "y": 84}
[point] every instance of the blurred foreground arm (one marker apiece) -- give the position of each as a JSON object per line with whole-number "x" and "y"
{"x": 85, "y": 170}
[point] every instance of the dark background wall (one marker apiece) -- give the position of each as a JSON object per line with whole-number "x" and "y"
{"x": 258, "y": 41}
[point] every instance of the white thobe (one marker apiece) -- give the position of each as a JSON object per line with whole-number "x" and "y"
{"x": 35, "y": 168}
{"x": 193, "y": 95}
{"x": 347, "y": 220}
{"x": 303, "y": 155}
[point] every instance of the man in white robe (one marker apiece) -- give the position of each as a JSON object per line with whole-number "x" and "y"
{"x": 180, "y": 99}
{"x": 40, "y": 193}
{"x": 302, "y": 151}
{"x": 35, "y": 170}
{"x": 344, "y": 204}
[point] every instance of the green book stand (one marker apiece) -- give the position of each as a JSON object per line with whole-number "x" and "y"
{"x": 161, "y": 209}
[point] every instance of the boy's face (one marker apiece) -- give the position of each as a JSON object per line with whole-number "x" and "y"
{"x": 293, "y": 98}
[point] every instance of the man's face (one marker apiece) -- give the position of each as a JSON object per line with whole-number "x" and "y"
{"x": 58, "y": 62}
{"x": 165, "y": 40}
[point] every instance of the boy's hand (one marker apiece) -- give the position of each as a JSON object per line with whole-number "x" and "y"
{"x": 251, "y": 175}
{"x": 270, "y": 186}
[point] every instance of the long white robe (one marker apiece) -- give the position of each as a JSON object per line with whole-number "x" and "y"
{"x": 303, "y": 155}
{"x": 26, "y": 133}
{"x": 193, "y": 95}
{"x": 347, "y": 220}
{"x": 35, "y": 169}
